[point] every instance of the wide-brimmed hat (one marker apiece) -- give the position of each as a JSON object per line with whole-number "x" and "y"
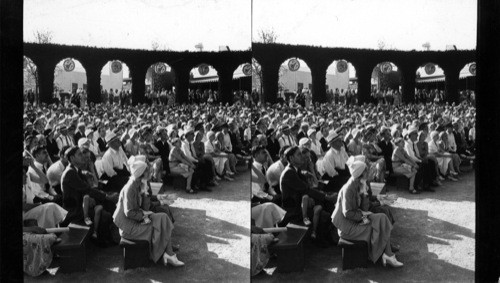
{"x": 111, "y": 137}
{"x": 88, "y": 131}
{"x": 332, "y": 136}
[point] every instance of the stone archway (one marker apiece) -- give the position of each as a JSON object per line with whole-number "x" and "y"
{"x": 341, "y": 82}
{"x": 430, "y": 83}
{"x": 295, "y": 79}
{"x": 70, "y": 82}
{"x": 204, "y": 84}
{"x": 160, "y": 83}
{"x": 386, "y": 83}
{"x": 115, "y": 83}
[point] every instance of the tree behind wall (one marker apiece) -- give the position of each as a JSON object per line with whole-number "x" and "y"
{"x": 42, "y": 37}
{"x": 265, "y": 36}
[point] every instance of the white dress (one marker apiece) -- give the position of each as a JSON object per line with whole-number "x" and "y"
{"x": 219, "y": 161}
{"x": 442, "y": 161}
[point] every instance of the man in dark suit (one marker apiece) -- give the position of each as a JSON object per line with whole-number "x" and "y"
{"x": 74, "y": 188}
{"x": 164, "y": 149}
{"x": 293, "y": 187}
{"x": 387, "y": 148}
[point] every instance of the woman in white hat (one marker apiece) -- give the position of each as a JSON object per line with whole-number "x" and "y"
{"x": 137, "y": 223}
{"x": 358, "y": 225}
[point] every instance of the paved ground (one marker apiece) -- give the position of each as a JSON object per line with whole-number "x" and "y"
{"x": 212, "y": 229}
{"x": 436, "y": 232}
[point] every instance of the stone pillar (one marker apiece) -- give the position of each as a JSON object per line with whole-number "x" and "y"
{"x": 181, "y": 84}
{"x": 46, "y": 81}
{"x": 318, "y": 73}
{"x": 138, "y": 75}
{"x": 225, "y": 74}
{"x": 408, "y": 77}
{"x": 364, "y": 74}
{"x": 270, "y": 78}
{"x": 451, "y": 84}
{"x": 93, "y": 83}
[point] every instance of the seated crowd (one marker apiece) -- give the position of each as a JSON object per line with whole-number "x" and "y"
{"x": 314, "y": 166}
{"x": 94, "y": 166}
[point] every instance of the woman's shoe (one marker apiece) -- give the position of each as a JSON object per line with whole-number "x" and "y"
{"x": 217, "y": 178}
{"x": 307, "y": 222}
{"x": 167, "y": 259}
{"x": 230, "y": 173}
{"x": 226, "y": 177}
{"x": 391, "y": 260}
{"x": 452, "y": 178}
{"x": 414, "y": 192}
{"x": 87, "y": 220}
{"x": 441, "y": 178}
{"x": 190, "y": 191}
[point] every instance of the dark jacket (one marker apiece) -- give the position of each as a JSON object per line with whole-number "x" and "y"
{"x": 74, "y": 187}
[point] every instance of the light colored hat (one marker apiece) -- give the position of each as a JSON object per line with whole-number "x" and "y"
{"x": 137, "y": 166}
{"x": 356, "y": 166}
{"x": 303, "y": 141}
{"x": 110, "y": 137}
{"x": 412, "y": 129}
{"x": 332, "y": 136}
{"x": 88, "y": 132}
{"x": 83, "y": 141}
{"x": 310, "y": 132}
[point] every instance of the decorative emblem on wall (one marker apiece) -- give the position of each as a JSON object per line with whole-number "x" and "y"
{"x": 160, "y": 68}
{"x": 69, "y": 65}
{"x": 430, "y": 68}
{"x": 203, "y": 69}
{"x": 341, "y": 66}
{"x": 293, "y": 65}
{"x": 116, "y": 66}
{"x": 472, "y": 69}
{"x": 386, "y": 68}
{"x": 247, "y": 69}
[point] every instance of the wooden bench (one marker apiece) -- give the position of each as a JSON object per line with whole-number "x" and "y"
{"x": 71, "y": 250}
{"x": 178, "y": 181}
{"x": 354, "y": 254}
{"x": 135, "y": 253}
{"x": 290, "y": 249}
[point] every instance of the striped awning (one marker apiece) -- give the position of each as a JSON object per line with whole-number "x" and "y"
{"x": 439, "y": 79}
{"x": 213, "y": 79}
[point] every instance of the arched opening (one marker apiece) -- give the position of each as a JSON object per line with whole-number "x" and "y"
{"x": 203, "y": 84}
{"x": 160, "y": 84}
{"x": 116, "y": 83}
{"x": 242, "y": 83}
{"x": 386, "y": 84}
{"x": 341, "y": 83}
{"x": 295, "y": 82}
{"x": 430, "y": 83}
{"x": 467, "y": 83}
{"x": 70, "y": 83}
{"x": 30, "y": 81}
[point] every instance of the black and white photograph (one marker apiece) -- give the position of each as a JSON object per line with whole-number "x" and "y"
{"x": 365, "y": 134}
{"x": 249, "y": 141}
{"x": 136, "y": 141}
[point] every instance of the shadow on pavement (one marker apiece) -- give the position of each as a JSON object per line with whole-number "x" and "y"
{"x": 414, "y": 231}
{"x": 194, "y": 232}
